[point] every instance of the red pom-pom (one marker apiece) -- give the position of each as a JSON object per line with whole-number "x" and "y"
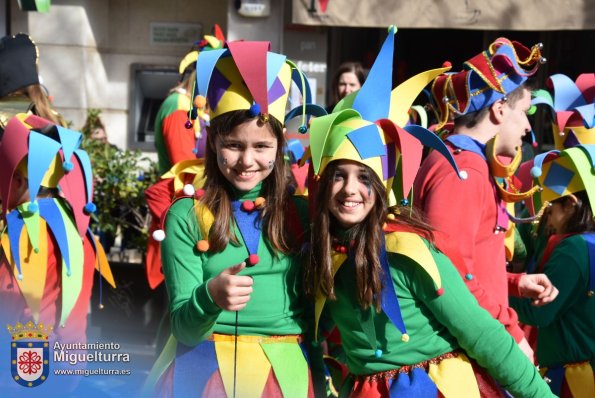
{"x": 253, "y": 259}
{"x": 188, "y": 124}
{"x": 199, "y": 193}
{"x": 446, "y": 64}
{"x": 248, "y": 205}
{"x": 534, "y": 144}
{"x": 440, "y": 291}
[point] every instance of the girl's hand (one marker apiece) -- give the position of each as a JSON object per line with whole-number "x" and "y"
{"x": 230, "y": 291}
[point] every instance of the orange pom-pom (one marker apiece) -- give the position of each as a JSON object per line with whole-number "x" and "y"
{"x": 200, "y": 102}
{"x": 259, "y": 202}
{"x": 440, "y": 291}
{"x": 446, "y": 64}
{"x": 203, "y": 246}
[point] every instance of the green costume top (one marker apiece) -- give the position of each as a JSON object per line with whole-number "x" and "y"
{"x": 275, "y": 306}
{"x": 436, "y": 324}
{"x": 566, "y": 325}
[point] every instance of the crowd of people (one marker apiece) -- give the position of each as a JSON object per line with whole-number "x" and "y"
{"x": 387, "y": 276}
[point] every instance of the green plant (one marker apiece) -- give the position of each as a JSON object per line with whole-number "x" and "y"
{"x": 120, "y": 179}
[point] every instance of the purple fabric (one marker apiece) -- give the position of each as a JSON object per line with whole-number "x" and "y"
{"x": 389, "y": 163}
{"x": 219, "y": 85}
{"x": 276, "y": 91}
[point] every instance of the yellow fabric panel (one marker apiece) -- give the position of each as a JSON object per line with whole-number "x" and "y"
{"x": 510, "y": 234}
{"x": 454, "y": 377}
{"x": 190, "y": 166}
{"x": 34, "y": 268}
{"x": 205, "y": 219}
{"x": 337, "y": 260}
{"x": 252, "y": 367}
{"x": 583, "y": 134}
{"x": 277, "y": 108}
{"x": 347, "y": 151}
{"x": 102, "y": 265}
{"x": 580, "y": 380}
{"x": 412, "y": 245}
{"x": 575, "y": 185}
{"x": 404, "y": 94}
{"x": 55, "y": 172}
{"x": 237, "y": 96}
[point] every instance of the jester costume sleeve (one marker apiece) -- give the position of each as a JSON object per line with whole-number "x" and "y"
{"x": 478, "y": 236}
{"x": 441, "y": 321}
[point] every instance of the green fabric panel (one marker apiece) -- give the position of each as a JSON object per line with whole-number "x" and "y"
{"x": 32, "y": 221}
{"x": 290, "y": 367}
{"x": 71, "y": 285}
{"x": 165, "y": 359}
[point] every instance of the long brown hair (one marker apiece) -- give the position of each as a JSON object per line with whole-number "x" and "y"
{"x": 366, "y": 239}
{"x": 41, "y": 104}
{"x": 218, "y": 190}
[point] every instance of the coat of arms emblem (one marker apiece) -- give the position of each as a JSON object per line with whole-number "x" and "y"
{"x": 30, "y": 353}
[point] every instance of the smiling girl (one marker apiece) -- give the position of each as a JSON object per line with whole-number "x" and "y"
{"x": 231, "y": 252}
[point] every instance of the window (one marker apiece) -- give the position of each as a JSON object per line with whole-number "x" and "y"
{"x": 150, "y": 85}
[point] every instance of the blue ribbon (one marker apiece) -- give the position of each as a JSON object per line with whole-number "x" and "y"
{"x": 249, "y": 224}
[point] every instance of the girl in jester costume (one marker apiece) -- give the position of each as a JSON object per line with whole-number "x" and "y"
{"x": 409, "y": 325}
{"x": 564, "y": 240}
{"x": 48, "y": 253}
{"x": 231, "y": 249}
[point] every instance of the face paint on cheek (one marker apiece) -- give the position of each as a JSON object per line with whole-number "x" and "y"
{"x": 369, "y": 185}
{"x": 221, "y": 160}
{"x": 271, "y": 164}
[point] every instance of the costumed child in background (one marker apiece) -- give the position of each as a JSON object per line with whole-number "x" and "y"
{"x": 566, "y": 327}
{"x": 564, "y": 246}
{"x": 231, "y": 250}
{"x": 20, "y": 89}
{"x": 180, "y": 140}
{"x": 176, "y": 137}
{"x": 48, "y": 253}
{"x": 409, "y": 325}
{"x": 488, "y": 102}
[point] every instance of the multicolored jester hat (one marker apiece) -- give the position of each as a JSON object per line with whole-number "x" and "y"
{"x": 48, "y": 156}
{"x": 572, "y": 109}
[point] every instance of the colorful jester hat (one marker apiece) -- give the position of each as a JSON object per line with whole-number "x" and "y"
{"x": 246, "y": 75}
{"x": 51, "y": 159}
{"x": 487, "y": 78}
{"x": 561, "y": 173}
{"x": 364, "y": 127}
{"x": 209, "y": 42}
{"x": 572, "y": 106}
